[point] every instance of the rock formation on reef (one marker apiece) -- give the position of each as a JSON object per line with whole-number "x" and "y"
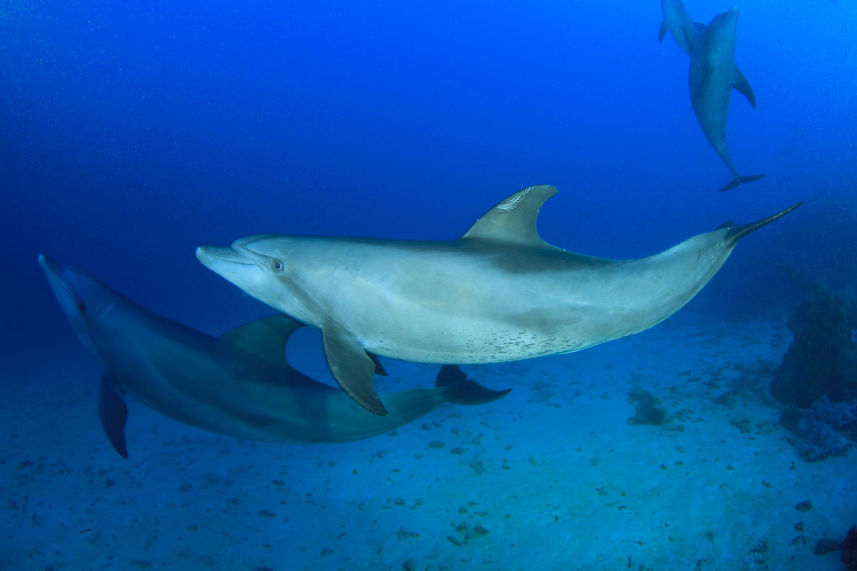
{"x": 822, "y": 430}
{"x": 817, "y": 380}
{"x": 822, "y": 359}
{"x": 648, "y": 408}
{"x": 849, "y": 549}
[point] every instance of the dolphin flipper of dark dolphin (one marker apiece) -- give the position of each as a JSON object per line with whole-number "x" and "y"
{"x": 113, "y": 414}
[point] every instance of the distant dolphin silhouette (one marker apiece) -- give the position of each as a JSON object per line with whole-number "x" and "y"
{"x": 680, "y": 25}
{"x": 499, "y": 293}
{"x": 239, "y": 384}
{"x": 712, "y": 77}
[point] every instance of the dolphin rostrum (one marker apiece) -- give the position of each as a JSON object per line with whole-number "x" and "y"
{"x": 712, "y": 77}
{"x": 239, "y": 384}
{"x": 498, "y": 293}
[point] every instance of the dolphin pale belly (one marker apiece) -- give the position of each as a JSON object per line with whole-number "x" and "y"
{"x": 711, "y": 78}
{"x": 498, "y": 293}
{"x": 238, "y": 384}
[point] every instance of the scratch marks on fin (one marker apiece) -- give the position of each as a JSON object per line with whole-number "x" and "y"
{"x": 515, "y": 200}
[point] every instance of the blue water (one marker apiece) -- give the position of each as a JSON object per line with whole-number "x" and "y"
{"x": 130, "y": 134}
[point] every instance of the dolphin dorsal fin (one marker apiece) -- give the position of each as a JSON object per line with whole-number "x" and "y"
{"x": 514, "y": 219}
{"x": 264, "y": 337}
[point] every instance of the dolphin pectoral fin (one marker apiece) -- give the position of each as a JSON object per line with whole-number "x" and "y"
{"x": 264, "y": 337}
{"x": 739, "y": 180}
{"x": 379, "y": 368}
{"x": 461, "y": 390}
{"x": 514, "y": 219}
{"x": 352, "y": 367}
{"x": 662, "y": 32}
{"x": 737, "y": 232}
{"x": 113, "y": 414}
{"x": 743, "y": 87}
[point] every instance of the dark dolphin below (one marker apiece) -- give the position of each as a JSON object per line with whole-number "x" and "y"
{"x": 239, "y": 384}
{"x": 712, "y": 77}
{"x": 498, "y": 293}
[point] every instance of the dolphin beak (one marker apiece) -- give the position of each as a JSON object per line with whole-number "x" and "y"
{"x": 235, "y": 264}
{"x": 54, "y": 274}
{"x": 49, "y": 265}
{"x": 211, "y": 256}
{"x": 62, "y": 282}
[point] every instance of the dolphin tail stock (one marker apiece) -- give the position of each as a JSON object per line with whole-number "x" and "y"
{"x": 735, "y": 233}
{"x": 461, "y": 390}
{"x": 738, "y": 180}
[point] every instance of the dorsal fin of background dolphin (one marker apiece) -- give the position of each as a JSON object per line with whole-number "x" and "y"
{"x": 711, "y": 78}
{"x": 239, "y": 384}
{"x": 498, "y": 293}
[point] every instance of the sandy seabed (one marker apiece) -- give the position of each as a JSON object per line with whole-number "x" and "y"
{"x": 554, "y": 476}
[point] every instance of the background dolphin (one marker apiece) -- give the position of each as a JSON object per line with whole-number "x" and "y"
{"x": 499, "y": 293}
{"x": 678, "y": 22}
{"x": 239, "y": 384}
{"x": 711, "y": 78}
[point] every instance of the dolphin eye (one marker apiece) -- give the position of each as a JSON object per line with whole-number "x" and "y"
{"x": 81, "y": 306}
{"x": 277, "y": 266}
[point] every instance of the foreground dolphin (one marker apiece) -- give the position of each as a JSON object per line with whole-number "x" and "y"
{"x": 712, "y": 77}
{"x": 678, "y": 22}
{"x": 499, "y": 293}
{"x": 239, "y": 384}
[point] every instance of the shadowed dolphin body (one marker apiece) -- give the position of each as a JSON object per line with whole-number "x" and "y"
{"x": 712, "y": 77}
{"x": 498, "y": 293}
{"x": 238, "y": 384}
{"x": 678, "y": 22}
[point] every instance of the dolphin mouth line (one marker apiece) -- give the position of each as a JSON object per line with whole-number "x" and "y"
{"x": 230, "y": 254}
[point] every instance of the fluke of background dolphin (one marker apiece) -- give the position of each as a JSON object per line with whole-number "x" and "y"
{"x": 498, "y": 293}
{"x": 712, "y": 77}
{"x": 238, "y": 384}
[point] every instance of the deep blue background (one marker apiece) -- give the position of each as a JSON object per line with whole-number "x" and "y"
{"x": 131, "y": 134}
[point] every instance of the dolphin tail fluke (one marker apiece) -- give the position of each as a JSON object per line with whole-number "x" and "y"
{"x": 113, "y": 413}
{"x": 461, "y": 390}
{"x": 737, "y": 232}
{"x": 739, "y": 180}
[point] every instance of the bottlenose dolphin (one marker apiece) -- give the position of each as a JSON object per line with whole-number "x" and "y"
{"x": 712, "y": 77}
{"x": 498, "y": 293}
{"x": 239, "y": 384}
{"x": 680, "y": 25}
